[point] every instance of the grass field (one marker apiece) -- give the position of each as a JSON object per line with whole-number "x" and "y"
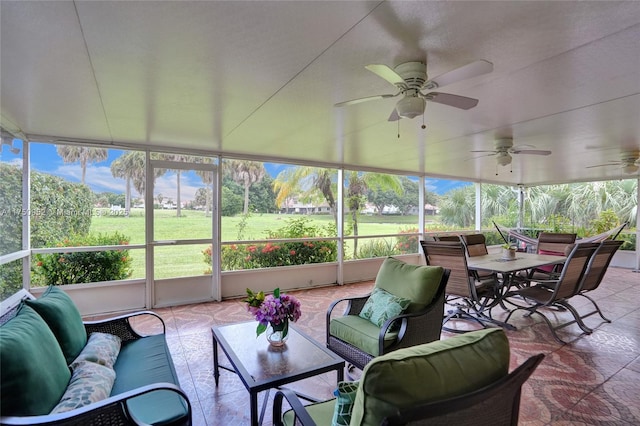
{"x": 176, "y": 261}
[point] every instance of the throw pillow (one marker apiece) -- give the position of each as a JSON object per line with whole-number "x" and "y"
{"x": 345, "y": 395}
{"x": 101, "y": 348}
{"x": 90, "y": 383}
{"x": 60, "y": 313}
{"x": 33, "y": 373}
{"x": 383, "y": 305}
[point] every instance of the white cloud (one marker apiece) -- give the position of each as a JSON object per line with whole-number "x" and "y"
{"x": 14, "y": 162}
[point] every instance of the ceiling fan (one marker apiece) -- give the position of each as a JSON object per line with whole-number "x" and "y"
{"x": 629, "y": 162}
{"x": 504, "y": 148}
{"x": 411, "y": 78}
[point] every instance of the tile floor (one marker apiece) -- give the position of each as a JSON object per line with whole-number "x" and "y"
{"x": 592, "y": 380}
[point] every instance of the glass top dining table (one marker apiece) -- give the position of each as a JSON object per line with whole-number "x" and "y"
{"x": 494, "y": 262}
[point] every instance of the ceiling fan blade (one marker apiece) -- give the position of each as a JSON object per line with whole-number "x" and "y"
{"x": 457, "y": 101}
{"x": 614, "y": 163}
{"x": 464, "y": 72}
{"x": 530, "y": 151}
{"x": 485, "y": 150}
{"x": 394, "y": 115}
{"x": 387, "y": 73}
{"x": 366, "y": 99}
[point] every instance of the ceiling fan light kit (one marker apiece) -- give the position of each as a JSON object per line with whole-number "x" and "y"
{"x": 629, "y": 162}
{"x": 503, "y": 158}
{"x": 503, "y": 149}
{"x": 411, "y": 77}
{"x": 410, "y": 107}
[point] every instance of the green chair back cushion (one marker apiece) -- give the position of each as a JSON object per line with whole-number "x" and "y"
{"x": 63, "y": 317}
{"x": 33, "y": 373}
{"x": 417, "y": 283}
{"x": 430, "y": 372}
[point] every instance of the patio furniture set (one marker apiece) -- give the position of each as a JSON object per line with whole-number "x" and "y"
{"x": 392, "y": 335}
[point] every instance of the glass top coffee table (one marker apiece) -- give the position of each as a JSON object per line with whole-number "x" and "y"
{"x": 262, "y": 367}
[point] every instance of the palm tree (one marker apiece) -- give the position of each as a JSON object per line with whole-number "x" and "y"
{"x": 83, "y": 154}
{"x": 131, "y": 166}
{"x": 358, "y": 184}
{"x": 311, "y": 183}
{"x": 208, "y": 179}
{"x": 245, "y": 173}
{"x": 457, "y": 207}
{"x": 180, "y": 159}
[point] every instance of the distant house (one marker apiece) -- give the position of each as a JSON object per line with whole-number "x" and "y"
{"x": 429, "y": 210}
{"x": 294, "y": 206}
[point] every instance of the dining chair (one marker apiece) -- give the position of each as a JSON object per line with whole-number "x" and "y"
{"x": 556, "y": 292}
{"x": 555, "y": 244}
{"x": 471, "y": 298}
{"x": 596, "y": 270}
{"x": 475, "y": 244}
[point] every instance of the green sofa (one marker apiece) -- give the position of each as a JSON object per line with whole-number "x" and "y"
{"x": 57, "y": 369}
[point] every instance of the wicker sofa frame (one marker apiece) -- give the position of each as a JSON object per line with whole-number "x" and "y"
{"x": 112, "y": 411}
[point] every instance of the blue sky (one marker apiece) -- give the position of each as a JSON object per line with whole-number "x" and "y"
{"x": 44, "y": 158}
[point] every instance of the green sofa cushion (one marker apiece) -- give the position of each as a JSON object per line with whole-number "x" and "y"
{"x": 430, "y": 372}
{"x": 382, "y": 305}
{"x": 417, "y": 283}
{"x": 34, "y": 373}
{"x": 360, "y": 332}
{"x": 143, "y": 362}
{"x": 63, "y": 317}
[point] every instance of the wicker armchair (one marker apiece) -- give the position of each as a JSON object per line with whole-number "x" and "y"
{"x": 420, "y": 323}
{"x": 460, "y": 380}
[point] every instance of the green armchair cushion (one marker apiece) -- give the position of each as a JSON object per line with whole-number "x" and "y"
{"x": 430, "y": 372}
{"x": 33, "y": 373}
{"x": 382, "y": 305}
{"x": 63, "y": 317}
{"x": 361, "y": 333}
{"x": 417, "y": 283}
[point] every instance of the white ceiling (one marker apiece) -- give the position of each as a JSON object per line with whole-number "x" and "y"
{"x": 261, "y": 78}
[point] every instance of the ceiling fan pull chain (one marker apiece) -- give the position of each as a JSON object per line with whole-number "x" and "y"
{"x": 398, "y": 129}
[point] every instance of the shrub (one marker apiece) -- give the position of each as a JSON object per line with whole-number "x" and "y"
{"x": 407, "y": 243}
{"x": 270, "y": 254}
{"x": 84, "y": 267}
{"x": 377, "y": 248}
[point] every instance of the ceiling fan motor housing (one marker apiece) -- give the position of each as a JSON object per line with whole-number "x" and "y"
{"x": 414, "y": 74}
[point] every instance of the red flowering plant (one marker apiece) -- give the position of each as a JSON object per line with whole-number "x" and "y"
{"x": 276, "y": 309}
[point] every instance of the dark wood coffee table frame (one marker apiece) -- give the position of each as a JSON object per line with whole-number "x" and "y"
{"x": 261, "y": 368}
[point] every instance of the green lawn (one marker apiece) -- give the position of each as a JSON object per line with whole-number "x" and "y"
{"x": 175, "y": 261}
